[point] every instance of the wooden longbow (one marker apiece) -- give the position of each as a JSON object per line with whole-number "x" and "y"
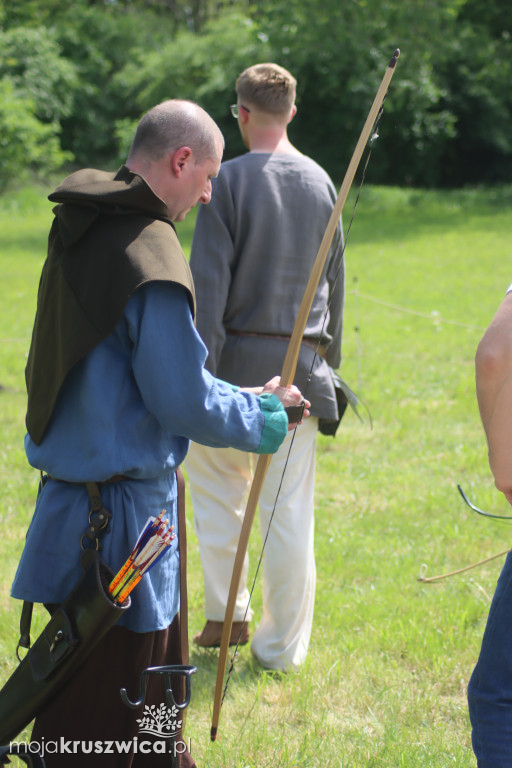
{"x": 287, "y": 376}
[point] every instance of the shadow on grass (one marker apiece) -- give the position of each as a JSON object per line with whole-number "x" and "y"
{"x": 246, "y": 672}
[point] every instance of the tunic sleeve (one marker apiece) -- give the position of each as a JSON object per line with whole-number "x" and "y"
{"x": 168, "y": 357}
{"x": 212, "y": 261}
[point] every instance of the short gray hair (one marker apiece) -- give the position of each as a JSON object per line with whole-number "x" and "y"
{"x": 173, "y": 124}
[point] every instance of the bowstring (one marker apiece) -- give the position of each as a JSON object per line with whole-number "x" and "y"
{"x": 373, "y": 138}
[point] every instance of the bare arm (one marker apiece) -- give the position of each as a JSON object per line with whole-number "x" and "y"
{"x": 493, "y": 364}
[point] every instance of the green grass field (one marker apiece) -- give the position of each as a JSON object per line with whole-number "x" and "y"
{"x": 390, "y": 658}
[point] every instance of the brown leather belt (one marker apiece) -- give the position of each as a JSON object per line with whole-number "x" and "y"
{"x": 308, "y": 342}
{"x": 116, "y": 479}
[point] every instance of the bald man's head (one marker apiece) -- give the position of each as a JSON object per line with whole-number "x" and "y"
{"x": 173, "y": 124}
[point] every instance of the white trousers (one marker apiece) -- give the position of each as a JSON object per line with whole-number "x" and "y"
{"x": 219, "y": 481}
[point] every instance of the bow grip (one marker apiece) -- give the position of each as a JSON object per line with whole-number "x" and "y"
{"x": 295, "y": 412}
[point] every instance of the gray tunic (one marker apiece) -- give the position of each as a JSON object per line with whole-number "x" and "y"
{"x": 252, "y": 252}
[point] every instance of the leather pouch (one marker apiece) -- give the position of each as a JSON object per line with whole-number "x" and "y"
{"x": 330, "y": 426}
{"x": 344, "y": 397}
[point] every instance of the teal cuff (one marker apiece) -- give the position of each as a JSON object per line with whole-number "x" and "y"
{"x": 276, "y": 423}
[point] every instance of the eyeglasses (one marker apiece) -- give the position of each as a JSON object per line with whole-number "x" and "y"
{"x": 235, "y": 109}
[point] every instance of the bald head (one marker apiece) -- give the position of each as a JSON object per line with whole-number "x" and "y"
{"x": 173, "y": 124}
{"x": 177, "y": 149}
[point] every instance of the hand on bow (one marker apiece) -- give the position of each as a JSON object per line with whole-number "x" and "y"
{"x": 290, "y": 397}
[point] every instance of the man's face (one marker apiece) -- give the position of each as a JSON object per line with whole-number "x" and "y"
{"x": 197, "y": 183}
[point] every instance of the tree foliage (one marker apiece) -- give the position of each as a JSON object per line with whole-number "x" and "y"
{"x": 94, "y": 66}
{"x": 185, "y": 68}
{"x": 30, "y": 58}
{"x": 26, "y": 143}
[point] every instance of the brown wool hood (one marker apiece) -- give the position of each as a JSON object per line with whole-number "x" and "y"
{"x": 110, "y": 235}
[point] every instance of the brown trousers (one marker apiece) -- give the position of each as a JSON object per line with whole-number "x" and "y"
{"x": 90, "y": 709}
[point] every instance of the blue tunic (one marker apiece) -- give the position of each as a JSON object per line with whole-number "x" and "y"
{"x": 131, "y": 407}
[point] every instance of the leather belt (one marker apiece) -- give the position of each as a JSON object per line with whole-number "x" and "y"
{"x": 308, "y": 342}
{"x": 115, "y": 479}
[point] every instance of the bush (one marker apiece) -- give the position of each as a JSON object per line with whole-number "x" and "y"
{"x": 30, "y": 58}
{"x": 26, "y": 144}
{"x": 100, "y": 41}
{"x": 201, "y": 67}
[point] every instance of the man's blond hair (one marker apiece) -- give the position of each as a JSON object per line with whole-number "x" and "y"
{"x": 267, "y": 87}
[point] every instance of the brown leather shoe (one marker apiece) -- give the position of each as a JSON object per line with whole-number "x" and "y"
{"x": 212, "y": 632}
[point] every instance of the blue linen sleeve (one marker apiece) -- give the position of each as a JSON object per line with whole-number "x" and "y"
{"x": 234, "y": 387}
{"x": 168, "y": 358}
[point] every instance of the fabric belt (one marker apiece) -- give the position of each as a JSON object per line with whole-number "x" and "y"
{"x": 308, "y": 342}
{"x": 113, "y": 479}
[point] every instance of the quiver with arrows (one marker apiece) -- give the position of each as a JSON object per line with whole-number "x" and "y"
{"x": 74, "y": 629}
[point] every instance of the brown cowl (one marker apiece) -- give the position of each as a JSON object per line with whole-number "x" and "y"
{"x": 110, "y": 235}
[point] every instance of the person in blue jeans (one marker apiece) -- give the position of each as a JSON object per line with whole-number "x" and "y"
{"x": 490, "y": 686}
